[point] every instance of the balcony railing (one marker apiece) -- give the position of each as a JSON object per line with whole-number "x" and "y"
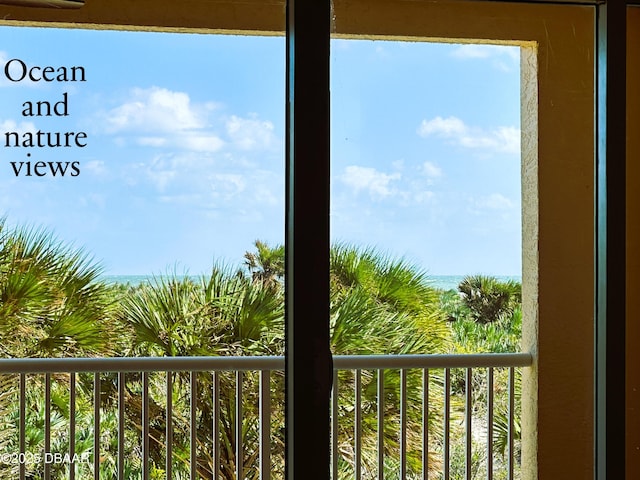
{"x": 410, "y": 416}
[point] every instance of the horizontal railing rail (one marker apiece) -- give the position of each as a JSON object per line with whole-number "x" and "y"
{"x": 179, "y": 393}
{"x": 435, "y": 361}
{"x": 140, "y": 364}
{"x": 257, "y": 363}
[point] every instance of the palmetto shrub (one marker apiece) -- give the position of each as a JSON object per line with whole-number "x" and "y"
{"x": 489, "y": 299}
{"x": 53, "y": 304}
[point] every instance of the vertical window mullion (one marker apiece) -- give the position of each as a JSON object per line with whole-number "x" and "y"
{"x": 308, "y": 365}
{"x": 610, "y": 240}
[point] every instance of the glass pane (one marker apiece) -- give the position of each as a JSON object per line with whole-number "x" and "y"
{"x": 171, "y": 145}
{"x": 426, "y": 231}
{"x": 143, "y": 215}
{"x": 426, "y": 157}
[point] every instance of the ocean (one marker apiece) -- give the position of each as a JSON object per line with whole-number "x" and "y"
{"x": 443, "y": 282}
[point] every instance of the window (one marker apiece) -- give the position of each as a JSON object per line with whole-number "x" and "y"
{"x": 558, "y": 231}
{"x": 548, "y": 208}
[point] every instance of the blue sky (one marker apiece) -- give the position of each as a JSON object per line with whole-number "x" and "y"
{"x": 185, "y": 166}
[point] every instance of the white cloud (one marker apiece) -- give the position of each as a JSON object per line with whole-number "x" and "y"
{"x": 398, "y": 164}
{"x": 500, "y": 139}
{"x": 369, "y": 179}
{"x": 251, "y": 133}
{"x": 503, "y": 57}
{"x": 423, "y": 196}
{"x": 240, "y": 192}
{"x": 199, "y": 156}
{"x": 495, "y": 201}
{"x": 152, "y": 141}
{"x": 168, "y": 171}
{"x": 495, "y": 211}
{"x": 442, "y": 126}
{"x": 431, "y": 170}
{"x": 228, "y": 184}
{"x": 161, "y": 118}
{"x": 185, "y": 199}
{"x": 157, "y": 110}
{"x": 208, "y": 182}
{"x": 509, "y": 138}
{"x": 193, "y": 141}
{"x": 200, "y": 142}
{"x": 266, "y": 194}
{"x": 20, "y": 128}
{"x": 475, "y": 51}
{"x": 161, "y": 177}
{"x": 341, "y": 44}
{"x": 392, "y": 186}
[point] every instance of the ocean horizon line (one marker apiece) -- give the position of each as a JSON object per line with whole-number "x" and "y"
{"x": 442, "y": 282}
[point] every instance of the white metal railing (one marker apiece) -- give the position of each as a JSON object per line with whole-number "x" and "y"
{"x": 44, "y": 372}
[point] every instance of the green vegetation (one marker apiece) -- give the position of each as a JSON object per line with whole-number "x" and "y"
{"x": 53, "y": 304}
{"x": 485, "y": 315}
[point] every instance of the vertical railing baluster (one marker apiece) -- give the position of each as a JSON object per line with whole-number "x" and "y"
{"x": 23, "y": 423}
{"x": 490, "y": 423}
{"x": 403, "y": 424}
{"x": 168, "y": 462}
{"x": 380, "y": 424}
{"x": 425, "y": 424}
{"x": 121, "y": 424}
{"x": 447, "y": 420}
{"x": 145, "y": 426}
{"x": 96, "y": 425}
{"x": 216, "y": 425}
{"x": 334, "y": 426}
{"x": 72, "y": 424}
{"x": 193, "y": 431}
{"x": 47, "y": 425}
{"x": 468, "y": 409}
{"x": 357, "y": 434}
{"x": 239, "y": 413}
{"x": 511, "y": 419}
{"x": 265, "y": 425}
